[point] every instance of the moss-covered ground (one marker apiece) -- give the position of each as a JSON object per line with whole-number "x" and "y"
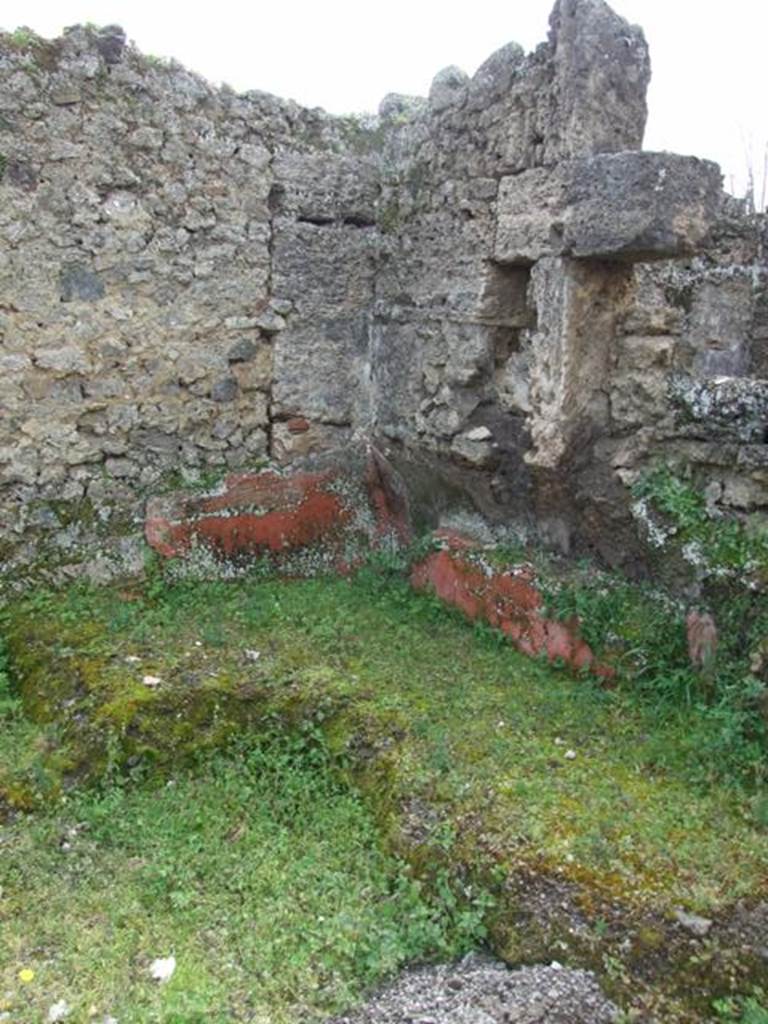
{"x": 262, "y": 876}
{"x": 584, "y": 818}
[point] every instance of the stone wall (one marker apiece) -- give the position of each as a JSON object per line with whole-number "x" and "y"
{"x": 492, "y": 284}
{"x": 686, "y": 380}
{"x": 169, "y": 256}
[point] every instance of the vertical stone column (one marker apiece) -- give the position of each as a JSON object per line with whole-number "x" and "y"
{"x": 580, "y": 226}
{"x": 579, "y": 303}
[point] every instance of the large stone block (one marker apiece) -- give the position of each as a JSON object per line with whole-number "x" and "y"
{"x": 530, "y": 212}
{"x": 718, "y": 327}
{"x": 320, "y": 369}
{"x": 631, "y": 207}
{"x": 571, "y": 348}
{"x": 723, "y": 408}
{"x": 324, "y": 188}
{"x": 601, "y": 72}
{"x": 323, "y": 269}
{"x": 640, "y": 206}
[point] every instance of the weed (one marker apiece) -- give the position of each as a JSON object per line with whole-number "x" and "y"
{"x": 22, "y": 38}
{"x": 39, "y": 53}
{"x": 396, "y": 560}
{"x": 200, "y": 481}
{"x": 9, "y": 702}
{"x": 161, "y": 63}
{"x": 642, "y": 631}
{"x": 752, "y": 1009}
{"x": 260, "y": 872}
{"x": 714, "y": 543}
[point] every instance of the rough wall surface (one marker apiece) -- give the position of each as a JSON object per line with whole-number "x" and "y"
{"x": 166, "y": 273}
{"x": 194, "y": 281}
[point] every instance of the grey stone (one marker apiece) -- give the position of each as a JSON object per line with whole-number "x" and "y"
{"x": 14, "y": 361}
{"x": 156, "y": 441}
{"x": 496, "y": 75}
{"x": 699, "y": 926}
{"x": 146, "y": 137}
{"x": 619, "y": 206}
{"x": 640, "y": 206}
{"x": 270, "y": 322}
{"x": 110, "y": 43}
{"x": 123, "y": 468}
{"x": 21, "y": 174}
{"x": 240, "y": 323}
{"x": 243, "y": 351}
{"x": 80, "y": 284}
{"x": 448, "y": 89}
{"x": 601, "y": 71}
{"x": 65, "y": 93}
{"x": 225, "y": 390}
{"x": 395, "y": 106}
{"x": 476, "y": 451}
{"x": 66, "y": 359}
{"x": 717, "y": 329}
{"x": 318, "y": 369}
{"x": 530, "y": 215}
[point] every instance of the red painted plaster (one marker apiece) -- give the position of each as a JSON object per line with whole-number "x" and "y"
{"x": 255, "y": 513}
{"x": 269, "y": 513}
{"x": 258, "y": 513}
{"x": 509, "y": 601}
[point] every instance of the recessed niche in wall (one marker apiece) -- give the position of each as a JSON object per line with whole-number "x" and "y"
{"x": 505, "y": 299}
{"x": 505, "y": 306}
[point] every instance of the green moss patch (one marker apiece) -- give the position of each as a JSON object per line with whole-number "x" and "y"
{"x": 586, "y": 817}
{"x": 262, "y": 877}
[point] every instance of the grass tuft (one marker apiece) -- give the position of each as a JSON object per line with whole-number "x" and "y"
{"x": 262, "y": 875}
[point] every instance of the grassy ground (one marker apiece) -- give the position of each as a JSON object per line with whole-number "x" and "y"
{"x": 261, "y": 875}
{"x": 470, "y": 758}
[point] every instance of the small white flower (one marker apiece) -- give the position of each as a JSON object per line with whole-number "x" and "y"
{"x": 162, "y": 969}
{"x": 58, "y": 1012}
{"x": 657, "y": 536}
{"x": 152, "y": 680}
{"x": 693, "y": 553}
{"x": 570, "y": 755}
{"x": 252, "y": 655}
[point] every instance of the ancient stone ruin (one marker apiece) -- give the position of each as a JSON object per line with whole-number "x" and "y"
{"x": 232, "y": 328}
{"x": 494, "y": 288}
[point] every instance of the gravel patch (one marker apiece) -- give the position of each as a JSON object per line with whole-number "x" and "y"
{"x": 478, "y": 990}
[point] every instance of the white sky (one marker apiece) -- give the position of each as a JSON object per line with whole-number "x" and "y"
{"x": 708, "y": 94}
